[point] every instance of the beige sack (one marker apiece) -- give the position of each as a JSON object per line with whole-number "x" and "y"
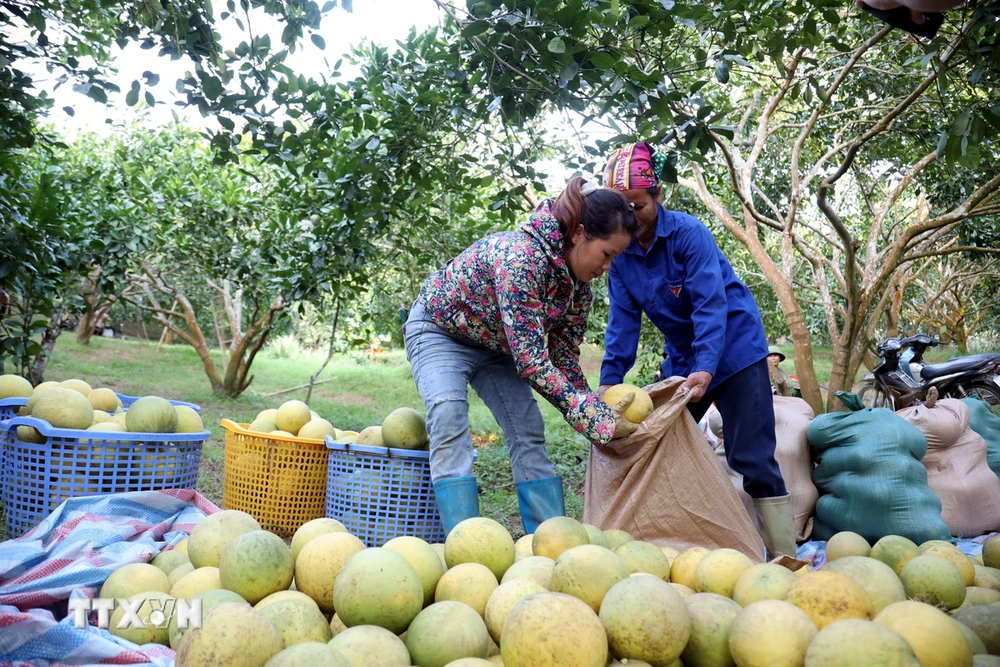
{"x": 956, "y": 467}
{"x": 663, "y": 484}
{"x": 791, "y": 422}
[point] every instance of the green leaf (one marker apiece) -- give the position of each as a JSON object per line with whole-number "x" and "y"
{"x": 212, "y": 86}
{"x": 667, "y": 4}
{"x": 557, "y": 45}
{"x": 961, "y": 124}
{"x": 722, "y": 71}
{"x": 318, "y": 41}
{"x": 132, "y": 98}
{"x": 150, "y": 100}
{"x": 639, "y": 21}
{"x": 602, "y": 60}
{"x": 97, "y": 94}
{"x": 373, "y": 144}
{"x": 227, "y": 123}
{"x": 475, "y": 28}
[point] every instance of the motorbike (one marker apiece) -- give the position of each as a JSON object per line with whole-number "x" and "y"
{"x": 902, "y": 379}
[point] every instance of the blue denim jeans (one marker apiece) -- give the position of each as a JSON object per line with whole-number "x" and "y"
{"x": 443, "y": 368}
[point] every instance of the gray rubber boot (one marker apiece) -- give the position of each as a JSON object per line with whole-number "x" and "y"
{"x": 778, "y": 524}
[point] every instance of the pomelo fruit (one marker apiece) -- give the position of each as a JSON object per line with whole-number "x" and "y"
{"x": 156, "y": 628}
{"x": 933, "y": 580}
{"x": 100, "y": 417}
{"x": 895, "y": 551}
{"x": 282, "y": 434}
{"x": 991, "y": 551}
{"x": 503, "y": 600}
{"x": 936, "y": 639}
{"x": 553, "y": 629}
{"x": 378, "y": 587}
{"x": 336, "y": 625}
{"x": 78, "y": 386}
{"x": 853, "y": 642}
{"x": 424, "y": 560}
{"x": 711, "y": 616}
{"x": 480, "y": 540}
{"x": 404, "y": 428}
{"x": 470, "y": 583}
{"x": 298, "y": 621}
{"x": 641, "y": 405}
{"x": 188, "y": 420}
{"x": 683, "y": 590}
{"x": 316, "y": 429}
{"x": 371, "y": 646}
{"x": 168, "y": 561}
{"x": 445, "y": 632}
{"x": 313, "y": 654}
{"x": 179, "y": 572}
{"x": 312, "y": 529}
{"x": 256, "y": 564}
{"x": 320, "y": 561}
{"x": 64, "y": 408}
{"x": 262, "y": 425}
{"x": 771, "y": 633}
{"x": 214, "y": 533}
{"x": 292, "y": 416}
{"x": 36, "y": 393}
{"x": 966, "y": 567}
{"x": 371, "y": 436}
{"x": 976, "y": 644}
{"x": 270, "y": 413}
{"x": 828, "y": 597}
{"x": 875, "y": 577}
{"x": 532, "y": 568}
{"x": 985, "y": 622}
{"x": 719, "y": 571}
{"x": 281, "y": 596}
{"x": 232, "y": 634}
{"x": 104, "y": 399}
{"x": 556, "y": 535}
{"x": 209, "y": 599}
{"x": 977, "y": 596}
{"x": 588, "y": 572}
{"x": 134, "y": 579}
{"x": 987, "y": 577}
{"x": 646, "y": 619}
{"x": 683, "y": 569}
{"x": 644, "y": 557}
{"x": 30, "y": 434}
{"x": 14, "y": 386}
{"x": 201, "y": 579}
{"x": 764, "y": 581}
{"x": 151, "y": 414}
{"x": 596, "y": 536}
{"x": 846, "y": 543}
{"x": 616, "y": 538}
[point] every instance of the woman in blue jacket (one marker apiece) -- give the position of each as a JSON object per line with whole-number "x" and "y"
{"x": 713, "y": 333}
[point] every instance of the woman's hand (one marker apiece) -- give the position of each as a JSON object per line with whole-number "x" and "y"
{"x": 603, "y": 388}
{"x": 697, "y": 384}
{"x": 623, "y": 427}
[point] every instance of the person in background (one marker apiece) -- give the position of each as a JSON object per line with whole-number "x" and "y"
{"x": 713, "y": 333}
{"x": 507, "y": 316}
{"x": 779, "y": 379}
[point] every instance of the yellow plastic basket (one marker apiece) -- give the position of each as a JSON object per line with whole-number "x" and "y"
{"x": 278, "y": 480}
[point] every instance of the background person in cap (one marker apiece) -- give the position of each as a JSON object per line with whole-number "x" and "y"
{"x": 713, "y": 332}
{"x": 779, "y": 380}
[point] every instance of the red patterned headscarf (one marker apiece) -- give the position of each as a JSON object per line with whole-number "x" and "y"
{"x": 633, "y": 167}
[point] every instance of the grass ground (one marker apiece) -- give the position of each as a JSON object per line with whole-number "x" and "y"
{"x": 362, "y": 390}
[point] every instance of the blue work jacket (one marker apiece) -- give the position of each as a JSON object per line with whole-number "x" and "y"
{"x": 687, "y": 288}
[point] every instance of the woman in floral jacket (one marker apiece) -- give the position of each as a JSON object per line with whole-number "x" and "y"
{"x": 507, "y": 316}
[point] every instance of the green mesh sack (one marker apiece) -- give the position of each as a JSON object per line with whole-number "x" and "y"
{"x": 987, "y": 425}
{"x": 870, "y": 477}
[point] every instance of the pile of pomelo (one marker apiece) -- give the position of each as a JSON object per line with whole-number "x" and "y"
{"x": 569, "y": 595}
{"x": 74, "y": 404}
{"x": 403, "y": 428}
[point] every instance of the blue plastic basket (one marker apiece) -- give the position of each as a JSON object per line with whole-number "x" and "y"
{"x": 9, "y": 406}
{"x": 380, "y": 493}
{"x": 72, "y": 463}
{"x": 129, "y": 400}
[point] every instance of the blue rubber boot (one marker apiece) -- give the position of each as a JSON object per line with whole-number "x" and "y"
{"x": 540, "y": 499}
{"x": 457, "y": 500}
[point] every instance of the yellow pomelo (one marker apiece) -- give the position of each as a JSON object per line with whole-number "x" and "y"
{"x": 64, "y": 408}
{"x": 424, "y": 560}
{"x": 596, "y": 536}
{"x": 312, "y": 529}
{"x": 556, "y": 535}
{"x": 404, "y": 428}
{"x": 771, "y": 633}
{"x": 470, "y": 583}
{"x": 298, "y": 621}
{"x": 764, "y": 581}
{"x": 36, "y": 394}
{"x": 256, "y": 564}
{"x": 104, "y": 399}
{"x": 985, "y": 622}
{"x": 316, "y": 429}
{"x": 292, "y": 416}
{"x": 828, "y": 597}
{"x": 180, "y": 572}
{"x": 933, "y": 580}
{"x": 964, "y": 564}
{"x": 480, "y": 540}
{"x": 314, "y": 654}
{"x": 156, "y": 628}
{"x": 532, "y": 568}
{"x": 991, "y": 551}
{"x": 644, "y": 557}
{"x": 641, "y": 406}
{"x": 853, "y": 642}
{"x": 285, "y": 595}
{"x": 232, "y": 634}
{"x": 895, "y": 551}
{"x": 262, "y": 425}
{"x": 550, "y": 629}
{"x": 987, "y": 577}
{"x": 378, "y": 587}
{"x": 646, "y": 619}
{"x": 446, "y": 632}
{"x": 336, "y": 625}
{"x": 936, "y": 639}
{"x": 270, "y": 413}
{"x": 168, "y": 561}
{"x": 522, "y": 547}
{"x": 719, "y": 571}
{"x": 188, "y": 420}
{"x": 214, "y": 533}
{"x": 133, "y": 579}
{"x": 209, "y": 599}
{"x": 682, "y": 590}
{"x": 588, "y": 572}
{"x": 371, "y": 436}
{"x": 711, "y": 617}
{"x": 616, "y": 538}
{"x": 151, "y": 414}
{"x": 845, "y": 544}
{"x": 875, "y": 577}
{"x": 100, "y": 417}
{"x": 320, "y": 561}
{"x": 682, "y": 571}
{"x": 78, "y": 386}
{"x": 503, "y": 600}
{"x": 371, "y": 645}
{"x": 14, "y": 386}
{"x": 201, "y": 579}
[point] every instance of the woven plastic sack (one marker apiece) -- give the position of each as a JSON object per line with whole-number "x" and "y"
{"x": 663, "y": 485}
{"x": 870, "y": 477}
{"x": 792, "y": 417}
{"x": 986, "y": 424}
{"x": 956, "y": 467}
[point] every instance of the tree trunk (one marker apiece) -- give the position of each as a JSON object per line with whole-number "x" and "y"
{"x": 329, "y": 353}
{"x": 85, "y": 329}
{"x": 36, "y": 373}
{"x": 892, "y": 313}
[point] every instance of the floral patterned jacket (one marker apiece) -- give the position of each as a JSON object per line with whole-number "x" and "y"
{"x": 511, "y": 290}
